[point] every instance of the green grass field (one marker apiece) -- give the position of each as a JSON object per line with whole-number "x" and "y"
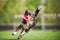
{"x": 32, "y": 35}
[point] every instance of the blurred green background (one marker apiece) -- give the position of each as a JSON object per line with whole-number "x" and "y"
{"x": 8, "y": 9}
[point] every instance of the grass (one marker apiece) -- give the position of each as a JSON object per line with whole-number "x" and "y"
{"x": 32, "y": 35}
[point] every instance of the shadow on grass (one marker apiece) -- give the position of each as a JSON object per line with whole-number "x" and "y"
{"x": 8, "y": 39}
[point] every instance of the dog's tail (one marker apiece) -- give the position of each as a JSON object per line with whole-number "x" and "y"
{"x": 38, "y": 9}
{"x": 36, "y": 12}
